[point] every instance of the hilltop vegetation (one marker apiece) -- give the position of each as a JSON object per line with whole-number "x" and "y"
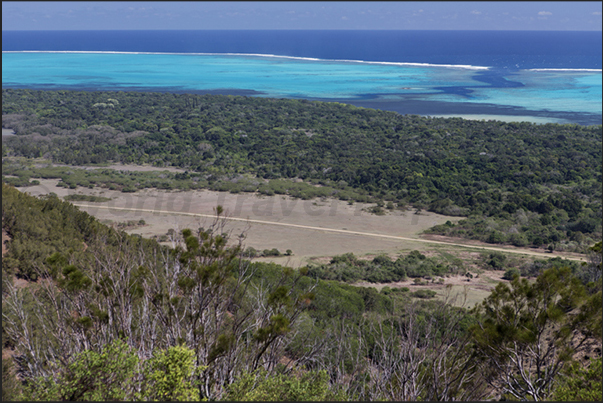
{"x": 118, "y": 317}
{"x": 518, "y": 183}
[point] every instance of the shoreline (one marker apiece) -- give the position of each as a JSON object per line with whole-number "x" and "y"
{"x": 408, "y": 106}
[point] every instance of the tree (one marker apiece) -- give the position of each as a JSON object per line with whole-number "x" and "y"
{"x": 527, "y": 332}
{"x": 592, "y": 271}
{"x": 425, "y": 357}
{"x": 169, "y": 376}
{"x": 580, "y": 384}
{"x": 510, "y": 273}
{"x": 91, "y": 376}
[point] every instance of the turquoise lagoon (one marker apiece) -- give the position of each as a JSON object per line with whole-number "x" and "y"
{"x": 551, "y": 91}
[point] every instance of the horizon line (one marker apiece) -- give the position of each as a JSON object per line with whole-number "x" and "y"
{"x": 306, "y": 29}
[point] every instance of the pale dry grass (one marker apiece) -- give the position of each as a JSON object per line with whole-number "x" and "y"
{"x": 312, "y": 229}
{"x": 267, "y": 215}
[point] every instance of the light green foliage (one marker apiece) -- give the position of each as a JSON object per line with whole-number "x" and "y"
{"x": 169, "y": 376}
{"x": 524, "y": 331}
{"x": 115, "y": 374}
{"x": 580, "y": 383}
{"x": 91, "y": 376}
{"x": 298, "y": 386}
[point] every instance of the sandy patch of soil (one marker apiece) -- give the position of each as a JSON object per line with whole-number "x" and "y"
{"x": 310, "y": 228}
{"x": 541, "y": 252}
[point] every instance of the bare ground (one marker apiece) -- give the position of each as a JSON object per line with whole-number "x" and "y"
{"x": 458, "y": 290}
{"x": 310, "y": 228}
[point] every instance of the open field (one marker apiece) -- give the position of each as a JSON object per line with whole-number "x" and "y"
{"x": 310, "y": 228}
{"x": 458, "y": 290}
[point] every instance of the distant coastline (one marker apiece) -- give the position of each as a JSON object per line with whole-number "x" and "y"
{"x": 529, "y": 75}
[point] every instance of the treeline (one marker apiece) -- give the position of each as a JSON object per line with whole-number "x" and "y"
{"x": 504, "y": 172}
{"x": 382, "y": 269}
{"x": 21, "y": 173}
{"x": 127, "y": 319}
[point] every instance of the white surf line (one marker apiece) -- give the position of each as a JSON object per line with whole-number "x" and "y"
{"x": 326, "y": 230}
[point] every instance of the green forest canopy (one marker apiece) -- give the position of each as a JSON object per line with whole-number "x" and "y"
{"x": 518, "y": 183}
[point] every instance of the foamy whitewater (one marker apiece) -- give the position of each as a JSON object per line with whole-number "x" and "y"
{"x": 427, "y": 73}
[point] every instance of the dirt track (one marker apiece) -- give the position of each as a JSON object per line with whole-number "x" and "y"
{"x": 312, "y": 229}
{"x": 365, "y": 234}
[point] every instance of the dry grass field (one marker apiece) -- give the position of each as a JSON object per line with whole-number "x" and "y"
{"x": 307, "y": 227}
{"x": 315, "y": 230}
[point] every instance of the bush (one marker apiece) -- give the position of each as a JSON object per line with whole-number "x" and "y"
{"x": 424, "y": 294}
{"x": 580, "y": 384}
{"x": 497, "y": 260}
{"x": 271, "y": 252}
{"x": 511, "y": 273}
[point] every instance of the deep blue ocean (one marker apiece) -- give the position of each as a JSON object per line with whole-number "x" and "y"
{"x": 508, "y": 75}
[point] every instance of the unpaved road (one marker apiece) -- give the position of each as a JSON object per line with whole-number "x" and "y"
{"x": 312, "y": 229}
{"x": 325, "y": 229}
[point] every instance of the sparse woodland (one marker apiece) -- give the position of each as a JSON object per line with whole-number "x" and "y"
{"x": 92, "y": 313}
{"x": 128, "y": 319}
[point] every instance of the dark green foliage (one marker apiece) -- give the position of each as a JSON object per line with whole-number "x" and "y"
{"x": 88, "y": 198}
{"x": 47, "y": 227}
{"x": 537, "y": 266}
{"x": 511, "y": 273}
{"x": 382, "y": 269}
{"x": 425, "y": 294}
{"x": 496, "y": 260}
{"x": 526, "y": 334}
{"x": 41, "y": 227}
{"x": 519, "y": 183}
{"x": 271, "y": 252}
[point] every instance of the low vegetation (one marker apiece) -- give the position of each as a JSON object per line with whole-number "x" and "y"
{"x": 120, "y": 320}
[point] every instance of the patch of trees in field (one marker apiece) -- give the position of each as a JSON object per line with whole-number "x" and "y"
{"x": 533, "y": 185}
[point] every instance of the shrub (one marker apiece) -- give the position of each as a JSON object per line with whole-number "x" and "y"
{"x": 424, "y": 294}
{"x": 511, "y": 273}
